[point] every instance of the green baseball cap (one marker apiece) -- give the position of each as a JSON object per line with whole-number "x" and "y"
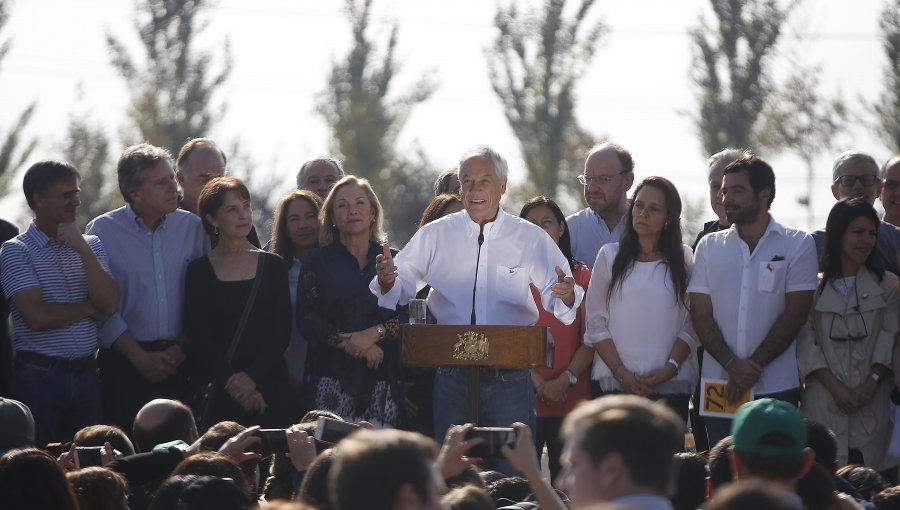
{"x": 769, "y": 428}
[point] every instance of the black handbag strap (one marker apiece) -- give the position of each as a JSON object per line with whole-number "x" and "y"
{"x": 249, "y": 305}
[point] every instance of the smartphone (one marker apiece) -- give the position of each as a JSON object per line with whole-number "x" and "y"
{"x": 332, "y": 431}
{"x": 89, "y": 455}
{"x": 273, "y": 441}
{"x": 494, "y": 439}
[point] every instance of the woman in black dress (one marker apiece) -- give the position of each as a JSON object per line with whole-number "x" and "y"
{"x": 253, "y": 384}
{"x": 351, "y": 368}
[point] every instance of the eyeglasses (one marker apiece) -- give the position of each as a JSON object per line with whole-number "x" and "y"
{"x": 848, "y": 328}
{"x": 848, "y": 181}
{"x": 599, "y": 179}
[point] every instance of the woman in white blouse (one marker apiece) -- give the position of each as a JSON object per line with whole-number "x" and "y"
{"x": 637, "y": 316}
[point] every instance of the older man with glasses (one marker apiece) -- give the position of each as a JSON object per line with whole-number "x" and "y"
{"x": 856, "y": 174}
{"x": 608, "y": 175}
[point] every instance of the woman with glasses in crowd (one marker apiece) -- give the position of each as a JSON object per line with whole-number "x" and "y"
{"x": 637, "y": 315}
{"x": 845, "y": 348}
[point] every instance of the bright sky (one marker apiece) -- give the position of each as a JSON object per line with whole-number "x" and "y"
{"x": 637, "y": 91}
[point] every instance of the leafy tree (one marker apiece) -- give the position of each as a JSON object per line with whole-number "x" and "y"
{"x": 88, "y": 148}
{"x": 798, "y": 118}
{"x": 172, "y": 84}
{"x": 15, "y": 148}
{"x": 365, "y": 118}
{"x": 731, "y": 70}
{"x": 534, "y": 66}
{"x": 887, "y": 109}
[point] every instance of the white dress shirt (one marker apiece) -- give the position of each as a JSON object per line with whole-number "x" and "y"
{"x": 642, "y": 317}
{"x": 515, "y": 254}
{"x": 588, "y": 232}
{"x": 748, "y": 290}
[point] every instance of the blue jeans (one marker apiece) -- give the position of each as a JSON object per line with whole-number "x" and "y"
{"x": 506, "y": 396}
{"x": 61, "y": 401}
{"x": 720, "y": 428}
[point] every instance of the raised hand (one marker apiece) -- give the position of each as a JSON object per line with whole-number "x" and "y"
{"x": 385, "y": 268}
{"x": 564, "y": 288}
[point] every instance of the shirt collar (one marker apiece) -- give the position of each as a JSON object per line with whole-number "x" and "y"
{"x": 489, "y": 228}
{"x": 133, "y": 216}
{"x": 773, "y": 226}
{"x": 38, "y": 236}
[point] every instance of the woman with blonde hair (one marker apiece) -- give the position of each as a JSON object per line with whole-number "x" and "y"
{"x": 352, "y": 361}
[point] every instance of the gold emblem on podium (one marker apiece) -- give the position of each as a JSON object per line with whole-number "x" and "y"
{"x": 471, "y": 346}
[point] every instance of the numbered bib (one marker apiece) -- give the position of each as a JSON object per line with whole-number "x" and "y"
{"x": 712, "y": 399}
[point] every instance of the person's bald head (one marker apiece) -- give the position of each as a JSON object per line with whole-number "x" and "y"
{"x": 162, "y": 421}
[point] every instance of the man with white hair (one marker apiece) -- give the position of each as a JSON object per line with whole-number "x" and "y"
{"x": 480, "y": 264}
{"x": 856, "y": 174}
{"x": 319, "y": 175}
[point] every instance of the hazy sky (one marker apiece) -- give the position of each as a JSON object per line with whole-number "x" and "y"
{"x": 637, "y": 91}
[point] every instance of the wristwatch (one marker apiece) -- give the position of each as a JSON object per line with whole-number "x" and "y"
{"x": 573, "y": 379}
{"x": 675, "y": 364}
{"x": 380, "y": 330}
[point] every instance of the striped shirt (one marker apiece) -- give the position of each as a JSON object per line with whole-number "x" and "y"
{"x": 34, "y": 260}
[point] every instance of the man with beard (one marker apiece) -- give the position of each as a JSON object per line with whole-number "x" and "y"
{"x": 608, "y": 175}
{"x": 751, "y": 290}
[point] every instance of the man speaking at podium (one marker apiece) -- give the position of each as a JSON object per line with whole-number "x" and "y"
{"x": 480, "y": 263}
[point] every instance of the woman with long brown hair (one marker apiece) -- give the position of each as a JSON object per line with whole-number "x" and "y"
{"x": 637, "y": 316}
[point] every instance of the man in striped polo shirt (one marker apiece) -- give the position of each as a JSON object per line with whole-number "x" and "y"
{"x": 58, "y": 285}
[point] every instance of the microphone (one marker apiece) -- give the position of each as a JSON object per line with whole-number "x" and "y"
{"x": 475, "y": 285}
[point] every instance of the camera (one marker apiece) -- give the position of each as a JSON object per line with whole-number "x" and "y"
{"x": 494, "y": 439}
{"x": 89, "y": 455}
{"x": 332, "y": 431}
{"x": 272, "y": 441}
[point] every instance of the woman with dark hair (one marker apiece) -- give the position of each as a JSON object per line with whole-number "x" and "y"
{"x": 31, "y": 478}
{"x": 846, "y": 346}
{"x": 352, "y": 364}
{"x": 296, "y": 232}
{"x": 557, "y": 390}
{"x": 440, "y": 206}
{"x": 637, "y": 316}
{"x": 418, "y": 383}
{"x": 248, "y": 367}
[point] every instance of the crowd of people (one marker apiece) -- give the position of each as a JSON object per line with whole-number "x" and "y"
{"x": 166, "y": 356}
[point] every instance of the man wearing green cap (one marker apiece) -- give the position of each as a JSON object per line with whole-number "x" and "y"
{"x": 770, "y": 443}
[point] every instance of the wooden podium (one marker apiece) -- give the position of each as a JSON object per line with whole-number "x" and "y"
{"x": 475, "y": 347}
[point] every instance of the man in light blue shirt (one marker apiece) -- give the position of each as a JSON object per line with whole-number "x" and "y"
{"x": 608, "y": 175}
{"x": 149, "y": 242}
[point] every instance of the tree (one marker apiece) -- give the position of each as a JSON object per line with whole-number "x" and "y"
{"x": 172, "y": 93}
{"x": 365, "y": 118}
{"x": 87, "y": 147}
{"x": 887, "y": 109}
{"x": 731, "y": 70}
{"x": 798, "y": 118}
{"x": 15, "y": 149}
{"x": 534, "y": 66}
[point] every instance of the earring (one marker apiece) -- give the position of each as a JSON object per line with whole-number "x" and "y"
{"x": 216, "y": 230}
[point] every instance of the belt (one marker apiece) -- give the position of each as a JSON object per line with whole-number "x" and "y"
{"x": 157, "y": 345}
{"x": 85, "y": 364}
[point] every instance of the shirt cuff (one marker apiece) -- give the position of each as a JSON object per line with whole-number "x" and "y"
{"x": 390, "y": 298}
{"x": 111, "y": 330}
